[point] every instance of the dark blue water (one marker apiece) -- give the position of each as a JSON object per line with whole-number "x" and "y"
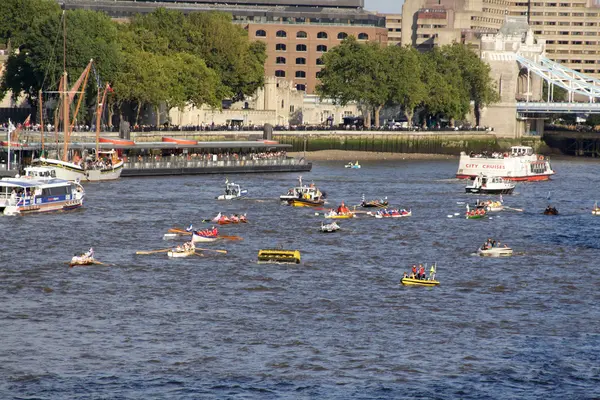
{"x": 336, "y": 326}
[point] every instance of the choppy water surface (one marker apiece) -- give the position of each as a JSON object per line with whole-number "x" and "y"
{"x": 336, "y": 326}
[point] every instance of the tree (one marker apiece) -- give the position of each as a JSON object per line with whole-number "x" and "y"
{"x": 475, "y": 75}
{"x": 407, "y": 89}
{"x": 17, "y": 16}
{"x": 356, "y": 72}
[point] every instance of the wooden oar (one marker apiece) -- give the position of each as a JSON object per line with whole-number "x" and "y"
{"x": 101, "y": 263}
{"x": 230, "y": 237}
{"x": 218, "y": 251}
{"x": 179, "y": 231}
{"x": 152, "y": 251}
{"x": 514, "y": 209}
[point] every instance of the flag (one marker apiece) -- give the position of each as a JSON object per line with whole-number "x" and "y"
{"x": 110, "y": 89}
{"x": 27, "y": 122}
{"x": 190, "y": 228}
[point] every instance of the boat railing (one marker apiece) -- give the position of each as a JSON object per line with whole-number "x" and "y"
{"x": 176, "y": 164}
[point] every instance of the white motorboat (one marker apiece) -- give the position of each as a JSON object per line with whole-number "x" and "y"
{"x": 521, "y": 164}
{"x": 495, "y": 251}
{"x": 484, "y": 184}
{"x": 352, "y": 165}
{"x": 232, "y": 191}
{"x": 596, "y": 209}
{"x": 38, "y": 191}
{"x": 328, "y": 228}
{"x": 303, "y": 195}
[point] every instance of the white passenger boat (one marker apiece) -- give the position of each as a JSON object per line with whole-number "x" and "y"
{"x": 484, "y": 184}
{"x": 521, "y": 164}
{"x": 232, "y": 191}
{"x": 494, "y": 251}
{"x": 38, "y": 192}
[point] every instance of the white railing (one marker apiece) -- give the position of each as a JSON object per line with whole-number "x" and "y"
{"x": 546, "y": 107}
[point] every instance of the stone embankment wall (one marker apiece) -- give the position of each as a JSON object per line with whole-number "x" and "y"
{"x": 451, "y": 143}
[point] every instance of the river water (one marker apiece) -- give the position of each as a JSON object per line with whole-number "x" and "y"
{"x": 336, "y": 326}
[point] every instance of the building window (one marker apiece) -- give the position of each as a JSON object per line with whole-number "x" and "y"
{"x": 280, "y": 73}
{"x": 320, "y": 61}
{"x": 300, "y": 60}
{"x": 322, "y": 48}
{"x": 261, "y": 33}
{"x": 363, "y": 36}
{"x": 300, "y": 74}
{"x": 322, "y": 35}
{"x": 342, "y": 35}
{"x": 280, "y": 47}
{"x": 291, "y": 108}
{"x": 318, "y": 74}
{"x": 282, "y": 104}
{"x": 301, "y": 35}
{"x": 281, "y": 34}
{"x": 280, "y": 60}
{"x": 301, "y": 87}
{"x": 300, "y": 47}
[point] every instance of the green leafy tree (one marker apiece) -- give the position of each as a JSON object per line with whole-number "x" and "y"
{"x": 18, "y": 16}
{"x": 407, "y": 89}
{"x": 356, "y": 72}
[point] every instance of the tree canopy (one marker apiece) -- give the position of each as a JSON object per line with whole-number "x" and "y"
{"x": 440, "y": 83}
{"x": 163, "y": 57}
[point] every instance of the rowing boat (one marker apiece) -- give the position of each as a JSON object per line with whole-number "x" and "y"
{"x": 174, "y": 253}
{"x": 596, "y": 209}
{"x": 279, "y": 256}
{"x": 418, "y": 282}
{"x": 198, "y": 237}
{"x": 329, "y": 228}
{"x": 79, "y": 261}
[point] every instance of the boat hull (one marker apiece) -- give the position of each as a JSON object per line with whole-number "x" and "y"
{"x": 343, "y": 216}
{"x": 596, "y": 212}
{"x": 496, "y": 252}
{"x": 418, "y": 282}
{"x": 43, "y": 208}
{"x": 72, "y": 172}
{"x": 489, "y": 191}
{"x": 305, "y": 203}
{"x": 513, "y": 168}
{"x": 203, "y": 239}
{"x": 181, "y": 254}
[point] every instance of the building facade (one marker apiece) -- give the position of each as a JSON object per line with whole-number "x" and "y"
{"x": 571, "y": 28}
{"x": 393, "y": 23}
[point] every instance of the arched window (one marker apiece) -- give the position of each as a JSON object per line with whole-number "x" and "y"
{"x": 280, "y": 73}
{"x": 322, "y": 35}
{"x": 322, "y": 48}
{"x": 280, "y": 60}
{"x": 261, "y": 33}
{"x": 300, "y": 47}
{"x": 342, "y": 35}
{"x": 280, "y": 47}
{"x": 320, "y": 61}
{"x": 301, "y": 87}
{"x": 281, "y": 34}
{"x": 300, "y": 60}
{"x": 363, "y": 36}
{"x": 300, "y": 74}
{"x": 301, "y": 35}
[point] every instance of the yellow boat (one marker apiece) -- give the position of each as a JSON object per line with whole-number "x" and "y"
{"x": 339, "y": 216}
{"x": 306, "y": 203}
{"x": 418, "y": 282}
{"x": 279, "y": 256}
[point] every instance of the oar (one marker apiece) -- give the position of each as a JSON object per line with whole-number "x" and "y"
{"x": 199, "y": 254}
{"x": 514, "y": 209}
{"x": 230, "y": 237}
{"x": 101, "y": 263}
{"x": 179, "y": 231}
{"x": 218, "y": 251}
{"x": 152, "y": 251}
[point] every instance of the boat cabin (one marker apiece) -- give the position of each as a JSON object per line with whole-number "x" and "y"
{"x": 40, "y": 173}
{"x": 518, "y": 151}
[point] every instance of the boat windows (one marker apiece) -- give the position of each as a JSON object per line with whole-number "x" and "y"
{"x": 56, "y": 191}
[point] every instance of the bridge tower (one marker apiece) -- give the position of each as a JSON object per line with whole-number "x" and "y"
{"x": 500, "y": 51}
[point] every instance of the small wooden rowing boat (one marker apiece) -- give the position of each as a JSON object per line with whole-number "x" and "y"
{"x": 279, "y": 256}
{"x": 418, "y": 282}
{"x": 200, "y": 236}
{"x": 181, "y": 253}
{"x": 81, "y": 261}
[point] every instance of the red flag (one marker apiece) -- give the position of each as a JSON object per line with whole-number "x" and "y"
{"x": 27, "y": 122}
{"x": 110, "y": 89}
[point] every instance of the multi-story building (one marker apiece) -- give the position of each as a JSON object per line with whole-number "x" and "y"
{"x": 393, "y": 23}
{"x": 570, "y": 27}
{"x": 297, "y": 33}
